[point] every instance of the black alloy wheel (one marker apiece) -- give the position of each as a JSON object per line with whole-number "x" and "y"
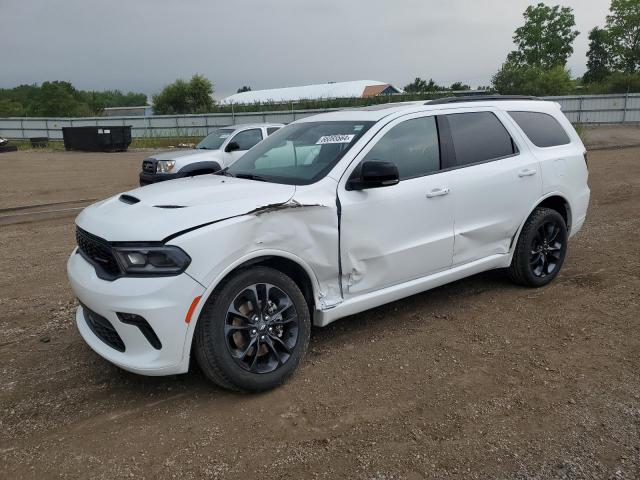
{"x": 546, "y": 249}
{"x": 253, "y": 331}
{"x": 541, "y": 249}
{"x": 261, "y": 328}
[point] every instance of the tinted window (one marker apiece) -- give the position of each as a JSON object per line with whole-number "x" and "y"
{"x": 412, "y": 146}
{"x": 479, "y": 137}
{"x": 248, "y": 138}
{"x": 542, "y": 129}
{"x": 271, "y": 130}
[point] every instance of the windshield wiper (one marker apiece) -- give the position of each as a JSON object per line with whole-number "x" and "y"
{"x": 251, "y": 176}
{"x": 225, "y": 172}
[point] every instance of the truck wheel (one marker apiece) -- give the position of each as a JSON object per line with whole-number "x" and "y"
{"x": 253, "y": 330}
{"x": 540, "y": 250}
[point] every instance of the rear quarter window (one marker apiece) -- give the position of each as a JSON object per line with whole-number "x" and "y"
{"x": 542, "y": 129}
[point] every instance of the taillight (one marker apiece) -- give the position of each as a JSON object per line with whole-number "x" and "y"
{"x": 586, "y": 160}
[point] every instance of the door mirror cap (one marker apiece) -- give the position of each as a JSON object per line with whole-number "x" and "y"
{"x": 374, "y": 174}
{"x": 232, "y": 147}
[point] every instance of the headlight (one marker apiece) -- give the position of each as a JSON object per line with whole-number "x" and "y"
{"x": 165, "y": 166}
{"x": 152, "y": 260}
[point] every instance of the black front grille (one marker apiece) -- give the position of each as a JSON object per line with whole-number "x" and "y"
{"x": 149, "y": 166}
{"x": 98, "y": 252}
{"x": 103, "y": 329}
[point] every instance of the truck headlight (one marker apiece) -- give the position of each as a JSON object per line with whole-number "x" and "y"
{"x": 152, "y": 260}
{"x": 165, "y": 166}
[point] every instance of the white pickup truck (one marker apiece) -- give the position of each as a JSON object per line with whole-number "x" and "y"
{"x": 218, "y": 150}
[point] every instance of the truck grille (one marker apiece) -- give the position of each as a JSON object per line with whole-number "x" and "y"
{"x": 98, "y": 252}
{"x": 103, "y": 329}
{"x": 149, "y": 166}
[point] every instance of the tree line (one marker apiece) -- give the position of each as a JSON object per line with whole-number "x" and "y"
{"x": 62, "y": 99}
{"x": 544, "y": 44}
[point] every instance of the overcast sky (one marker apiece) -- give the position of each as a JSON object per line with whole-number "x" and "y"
{"x": 142, "y": 45}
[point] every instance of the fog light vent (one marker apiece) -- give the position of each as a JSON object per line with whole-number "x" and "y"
{"x": 143, "y": 325}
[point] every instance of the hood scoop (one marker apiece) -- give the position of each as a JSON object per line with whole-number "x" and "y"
{"x": 170, "y": 206}
{"x": 129, "y": 199}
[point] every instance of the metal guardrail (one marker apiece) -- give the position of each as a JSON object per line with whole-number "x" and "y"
{"x": 586, "y": 109}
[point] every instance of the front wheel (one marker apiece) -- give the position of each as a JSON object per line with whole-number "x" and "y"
{"x": 253, "y": 331}
{"x": 540, "y": 250}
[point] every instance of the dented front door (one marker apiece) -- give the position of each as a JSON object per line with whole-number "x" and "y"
{"x": 394, "y": 234}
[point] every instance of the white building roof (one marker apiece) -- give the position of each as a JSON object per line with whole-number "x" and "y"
{"x": 306, "y": 92}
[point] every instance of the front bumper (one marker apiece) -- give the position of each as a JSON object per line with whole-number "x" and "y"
{"x": 162, "y": 301}
{"x": 148, "y": 178}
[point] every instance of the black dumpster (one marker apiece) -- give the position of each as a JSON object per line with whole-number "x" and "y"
{"x": 97, "y": 139}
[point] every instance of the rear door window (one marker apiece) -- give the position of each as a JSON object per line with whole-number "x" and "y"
{"x": 479, "y": 137}
{"x": 271, "y": 130}
{"x": 542, "y": 129}
{"x": 412, "y": 145}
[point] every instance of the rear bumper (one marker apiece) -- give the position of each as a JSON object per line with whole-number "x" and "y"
{"x": 163, "y": 302}
{"x": 579, "y": 211}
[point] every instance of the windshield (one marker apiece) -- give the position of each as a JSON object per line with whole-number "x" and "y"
{"x": 299, "y": 154}
{"x": 215, "y": 139}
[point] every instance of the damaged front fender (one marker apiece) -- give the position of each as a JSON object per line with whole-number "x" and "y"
{"x": 303, "y": 229}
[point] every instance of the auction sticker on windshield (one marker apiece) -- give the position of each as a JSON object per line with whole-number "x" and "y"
{"x": 335, "y": 139}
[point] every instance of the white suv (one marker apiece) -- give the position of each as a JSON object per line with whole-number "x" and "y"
{"x": 219, "y": 149}
{"x": 331, "y": 215}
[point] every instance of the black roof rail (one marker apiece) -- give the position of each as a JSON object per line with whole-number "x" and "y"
{"x": 479, "y": 98}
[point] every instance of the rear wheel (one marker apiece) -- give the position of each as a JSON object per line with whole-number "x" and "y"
{"x": 540, "y": 250}
{"x": 253, "y": 331}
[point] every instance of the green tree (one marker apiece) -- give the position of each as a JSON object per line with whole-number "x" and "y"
{"x": 61, "y": 99}
{"x": 11, "y": 108}
{"x": 544, "y": 44}
{"x": 623, "y": 28}
{"x": 459, "y": 86}
{"x": 599, "y": 56}
{"x": 194, "y": 96}
{"x": 243, "y": 89}
{"x": 546, "y": 38}
{"x": 115, "y": 98}
{"x": 174, "y": 98}
{"x": 422, "y": 86}
{"x": 200, "y": 94}
{"x": 526, "y": 80}
{"x": 417, "y": 86}
{"x": 616, "y": 82}
{"x": 58, "y": 99}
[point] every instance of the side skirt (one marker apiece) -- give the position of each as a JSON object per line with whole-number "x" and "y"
{"x": 396, "y": 292}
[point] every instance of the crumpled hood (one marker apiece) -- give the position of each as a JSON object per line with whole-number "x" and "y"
{"x": 203, "y": 199}
{"x": 192, "y": 153}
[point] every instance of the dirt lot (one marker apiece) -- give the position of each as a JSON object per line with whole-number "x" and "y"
{"x": 478, "y": 379}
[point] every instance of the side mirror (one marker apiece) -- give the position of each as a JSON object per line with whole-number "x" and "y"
{"x": 374, "y": 174}
{"x": 232, "y": 147}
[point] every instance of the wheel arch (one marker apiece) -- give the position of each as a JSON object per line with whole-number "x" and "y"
{"x": 286, "y": 262}
{"x": 199, "y": 168}
{"x": 555, "y": 201}
{"x": 558, "y": 203}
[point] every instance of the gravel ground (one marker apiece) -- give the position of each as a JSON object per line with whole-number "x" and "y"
{"x": 477, "y": 379}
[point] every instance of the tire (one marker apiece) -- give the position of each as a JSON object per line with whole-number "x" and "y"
{"x": 541, "y": 249}
{"x": 273, "y": 338}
